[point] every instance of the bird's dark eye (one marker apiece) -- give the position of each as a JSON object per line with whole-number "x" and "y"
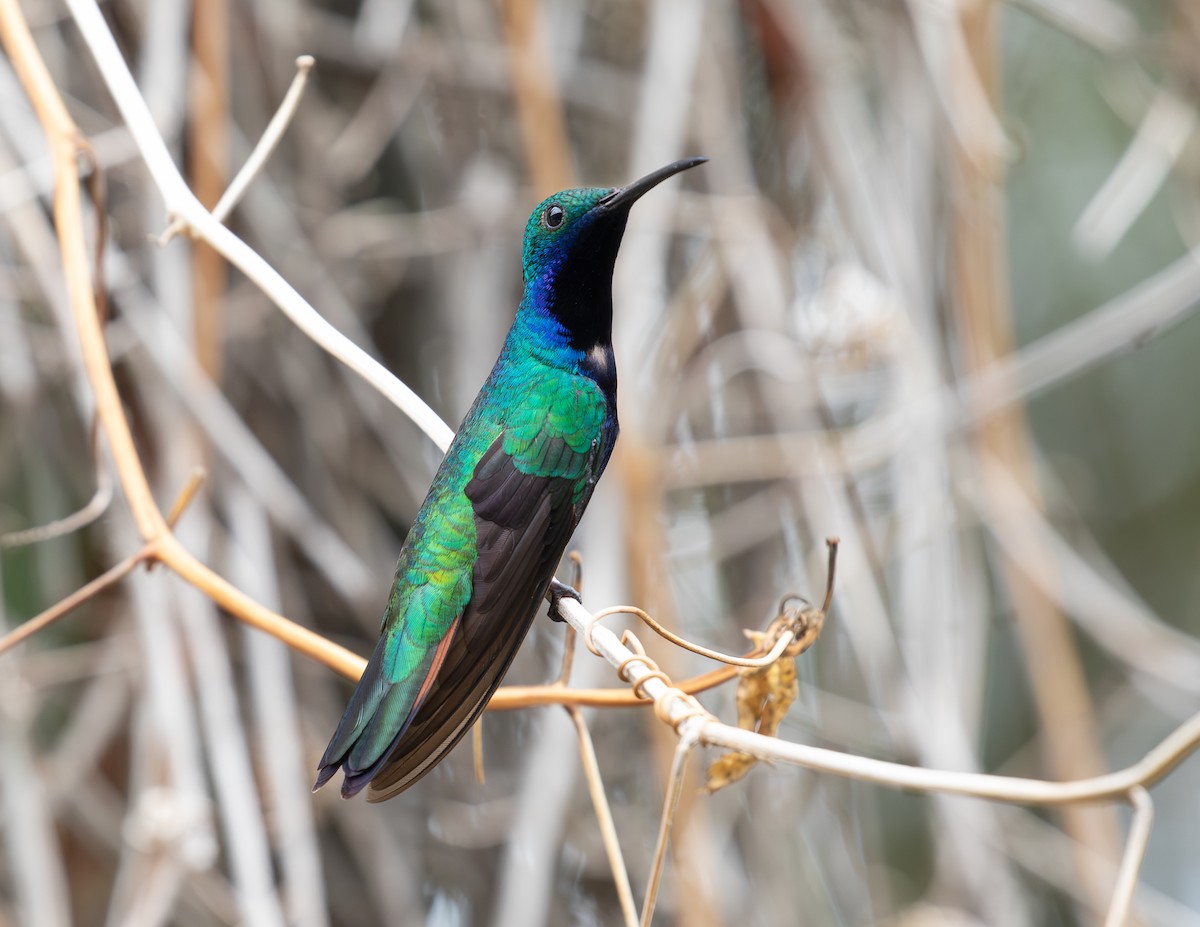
{"x": 553, "y": 217}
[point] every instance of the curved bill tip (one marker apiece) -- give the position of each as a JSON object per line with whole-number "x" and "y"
{"x": 623, "y": 196}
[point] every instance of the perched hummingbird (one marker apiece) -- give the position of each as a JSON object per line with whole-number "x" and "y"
{"x": 482, "y": 551}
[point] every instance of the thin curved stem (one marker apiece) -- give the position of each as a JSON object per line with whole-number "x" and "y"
{"x": 80, "y": 518}
{"x": 1108, "y": 787}
{"x": 186, "y": 495}
{"x": 683, "y": 750}
{"x": 40, "y": 622}
{"x": 509, "y": 698}
{"x": 266, "y": 146}
{"x": 604, "y": 818}
{"x": 767, "y": 659}
{"x": 1131, "y": 859}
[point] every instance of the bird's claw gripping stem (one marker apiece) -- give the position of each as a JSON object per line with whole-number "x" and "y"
{"x": 556, "y": 593}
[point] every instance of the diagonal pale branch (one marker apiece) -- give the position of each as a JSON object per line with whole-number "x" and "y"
{"x": 1115, "y": 786}
{"x": 604, "y": 818}
{"x": 683, "y": 750}
{"x": 262, "y": 152}
{"x": 1160, "y": 139}
{"x": 182, "y": 204}
{"x": 43, "y": 620}
{"x": 1131, "y": 861}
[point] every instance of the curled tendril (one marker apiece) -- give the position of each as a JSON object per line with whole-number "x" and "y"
{"x": 796, "y": 626}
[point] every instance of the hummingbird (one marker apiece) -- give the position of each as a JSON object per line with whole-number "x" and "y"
{"x": 483, "y": 548}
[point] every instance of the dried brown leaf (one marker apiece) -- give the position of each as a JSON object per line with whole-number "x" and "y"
{"x": 764, "y": 695}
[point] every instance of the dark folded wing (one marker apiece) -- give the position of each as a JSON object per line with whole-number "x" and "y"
{"x": 523, "y": 523}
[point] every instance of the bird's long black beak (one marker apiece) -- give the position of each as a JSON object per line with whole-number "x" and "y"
{"x": 623, "y": 196}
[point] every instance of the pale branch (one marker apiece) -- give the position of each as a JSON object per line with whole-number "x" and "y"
{"x": 683, "y": 750}
{"x": 695, "y": 726}
{"x": 182, "y": 204}
{"x": 1131, "y": 859}
{"x": 1114, "y": 786}
{"x": 604, "y": 818}
{"x": 262, "y": 152}
{"x": 1160, "y": 139}
{"x": 110, "y": 577}
{"x": 780, "y": 644}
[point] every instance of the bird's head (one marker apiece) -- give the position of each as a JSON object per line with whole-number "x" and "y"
{"x": 571, "y": 244}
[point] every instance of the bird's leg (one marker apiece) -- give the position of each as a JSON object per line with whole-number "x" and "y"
{"x": 555, "y": 594}
{"x": 557, "y": 591}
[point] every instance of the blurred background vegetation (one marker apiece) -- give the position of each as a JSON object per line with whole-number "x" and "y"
{"x": 815, "y": 333}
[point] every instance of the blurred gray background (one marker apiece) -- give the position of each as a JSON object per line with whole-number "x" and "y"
{"x": 932, "y": 294}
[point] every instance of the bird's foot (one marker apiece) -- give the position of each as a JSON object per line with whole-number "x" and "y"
{"x": 555, "y": 594}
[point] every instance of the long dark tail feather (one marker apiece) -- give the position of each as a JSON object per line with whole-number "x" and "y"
{"x": 339, "y": 756}
{"x": 355, "y": 780}
{"x": 363, "y": 704}
{"x": 378, "y": 707}
{"x": 324, "y": 774}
